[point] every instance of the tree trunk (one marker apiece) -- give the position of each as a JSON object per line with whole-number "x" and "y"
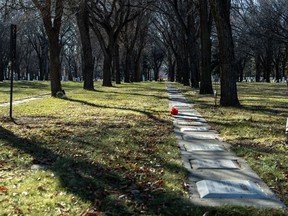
{"x": 221, "y": 14}
{"x": 179, "y": 64}
{"x": 268, "y": 62}
{"x": 116, "y": 64}
{"x": 205, "y": 74}
{"x": 55, "y": 66}
{"x": 192, "y": 46}
{"x": 127, "y": 68}
{"x": 258, "y": 68}
{"x": 87, "y": 56}
{"x": 52, "y": 27}
{"x": 185, "y": 61}
{"x": 137, "y": 70}
{"x": 1, "y": 72}
{"x": 171, "y": 69}
{"x": 107, "y": 70}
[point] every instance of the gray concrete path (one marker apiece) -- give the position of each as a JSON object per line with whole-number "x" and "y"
{"x": 16, "y": 102}
{"x": 216, "y": 176}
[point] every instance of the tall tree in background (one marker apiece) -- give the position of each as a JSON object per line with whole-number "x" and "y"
{"x": 221, "y": 14}
{"x": 205, "y": 33}
{"x": 51, "y": 13}
{"x": 87, "y": 58}
{"x": 107, "y": 20}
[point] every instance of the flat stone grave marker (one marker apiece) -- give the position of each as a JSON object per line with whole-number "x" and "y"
{"x": 214, "y": 164}
{"x": 203, "y": 147}
{"x": 186, "y": 117}
{"x": 177, "y": 99}
{"x": 173, "y": 92}
{"x": 190, "y": 114}
{"x": 190, "y": 123}
{"x": 193, "y": 129}
{"x": 205, "y": 135}
{"x": 235, "y": 189}
{"x": 180, "y": 105}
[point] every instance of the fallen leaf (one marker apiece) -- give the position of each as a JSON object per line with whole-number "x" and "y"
{"x": 93, "y": 213}
{"x": 3, "y": 189}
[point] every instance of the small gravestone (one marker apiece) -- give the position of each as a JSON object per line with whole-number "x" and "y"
{"x": 204, "y": 135}
{"x": 186, "y": 117}
{"x": 286, "y": 126}
{"x": 203, "y": 147}
{"x": 195, "y": 129}
{"x": 235, "y": 189}
{"x": 182, "y": 105}
{"x": 214, "y": 164}
{"x": 187, "y": 123}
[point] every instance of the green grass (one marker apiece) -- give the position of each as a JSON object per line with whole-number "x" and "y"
{"x": 27, "y": 89}
{"x": 111, "y": 151}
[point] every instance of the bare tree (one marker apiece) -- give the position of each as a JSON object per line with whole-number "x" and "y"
{"x": 107, "y": 20}
{"x": 87, "y": 57}
{"x": 205, "y": 29}
{"x": 221, "y": 14}
{"x": 51, "y": 13}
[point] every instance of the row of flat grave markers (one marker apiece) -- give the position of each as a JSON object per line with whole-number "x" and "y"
{"x": 216, "y": 176}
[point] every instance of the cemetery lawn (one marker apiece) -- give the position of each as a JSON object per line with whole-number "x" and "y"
{"x": 113, "y": 151}
{"x": 28, "y": 89}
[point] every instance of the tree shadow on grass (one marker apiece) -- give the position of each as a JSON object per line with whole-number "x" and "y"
{"x": 148, "y": 114}
{"x": 100, "y": 184}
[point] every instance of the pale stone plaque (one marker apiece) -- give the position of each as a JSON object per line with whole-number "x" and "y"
{"x": 203, "y": 147}
{"x": 195, "y": 129}
{"x": 187, "y": 123}
{"x": 236, "y": 189}
{"x": 214, "y": 164}
{"x": 186, "y": 117}
{"x": 185, "y": 105}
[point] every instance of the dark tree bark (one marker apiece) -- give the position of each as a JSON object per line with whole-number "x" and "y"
{"x": 52, "y": 26}
{"x": 116, "y": 64}
{"x": 221, "y": 14}
{"x": 87, "y": 58}
{"x": 258, "y": 68}
{"x": 205, "y": 72}
{"x": 193, "y": 47}
{"x": 268, "y": 61}
{"x": 127, "y": 73}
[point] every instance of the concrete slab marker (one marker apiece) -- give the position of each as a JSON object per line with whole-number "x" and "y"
{"x": 203, "y": 147}
{"x": 189, "y": 123}
{"x": 193, "y": 129}
{"x": 214, "y": 164}
{"x": 191, "y": 136}
{"x": 236, "y": 189}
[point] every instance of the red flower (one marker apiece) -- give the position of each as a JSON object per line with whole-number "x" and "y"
{"x": 174, "y": 111}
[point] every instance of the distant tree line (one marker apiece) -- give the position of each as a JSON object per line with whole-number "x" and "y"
{"x": 128, "y": 41}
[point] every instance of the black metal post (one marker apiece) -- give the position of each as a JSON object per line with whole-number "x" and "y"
{"x": 12, "y": 65}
